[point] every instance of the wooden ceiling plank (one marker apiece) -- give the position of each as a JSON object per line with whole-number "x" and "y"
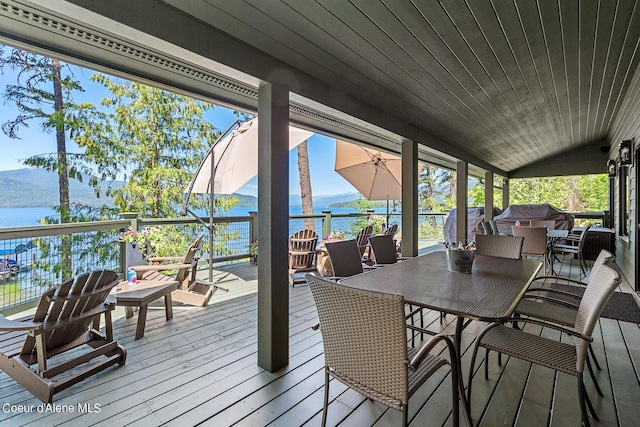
{"x": 530, "y": 19}
{"x": 627, "y": 122}
{"x": 497, "y": 49}
{"x": 588, "y": 23}
{"x": 555, "y": 46}
{"x": 604, "y": 30}
{"x": 626, "y": 64}
{"x": 402, "y": 34}
{"x": 443, "y": 37}
{"x": 618, "y": 34}
{"x": 369, "y": 31}
{"x": 515, "y": 35}
{"x": 260, "y": 29}
{"x": 497, "y": 41}
{"x": 431, "y": 105}
{"x": 405, "y": 49}
{"x": 481, "y": 45}
{"x": 570, "y": 24}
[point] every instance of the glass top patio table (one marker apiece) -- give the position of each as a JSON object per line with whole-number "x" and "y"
{"x": 491, "y": 292}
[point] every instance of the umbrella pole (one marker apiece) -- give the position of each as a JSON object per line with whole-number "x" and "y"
{"x": 388, "y": 216}
{"x": 211, "y": 282}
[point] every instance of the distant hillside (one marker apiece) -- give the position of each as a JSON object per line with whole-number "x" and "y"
{"x": 353, "y": 204}
{"x": 323, "y": 200}
{"x": 31, "y": 187}
{"x": 244, "y": 201}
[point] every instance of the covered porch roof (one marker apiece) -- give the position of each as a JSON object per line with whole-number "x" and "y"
{"x": 509, "y": 88}
{"x": 500, "y": 85}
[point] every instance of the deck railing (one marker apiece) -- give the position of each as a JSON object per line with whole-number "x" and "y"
{"x": 37, "y": 264}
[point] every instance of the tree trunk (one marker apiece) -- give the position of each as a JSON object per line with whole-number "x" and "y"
{"x": 63, "y": 174}
{"x": 305, "y": 185}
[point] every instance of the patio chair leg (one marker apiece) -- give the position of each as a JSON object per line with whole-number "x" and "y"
{"x": 471, "y": 366}
{"x": 325, "y": 408}
{"x": 499, "y": 359}
{"x": 593, "y": 377}
{"x": 455, "y": 391}
{"x": 582, "y": 395}
{"x": 405, "y": 415}
{"x": 595, "y": 359}
{"x": 486, "y": 365}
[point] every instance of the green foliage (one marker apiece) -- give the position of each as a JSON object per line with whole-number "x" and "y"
{"x": 155, "y": 138}
{"x": 43, "y": 94}
{"x": 430, "y": 229}
{"x": 584, "y": 193}
{"x": 570, "y": 193}
{"x": 363, "y": 205}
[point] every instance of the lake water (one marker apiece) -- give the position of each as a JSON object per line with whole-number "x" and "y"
{"x": 17, "y": 217}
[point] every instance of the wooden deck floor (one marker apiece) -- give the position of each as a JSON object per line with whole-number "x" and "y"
{"x": 200, "y": 368}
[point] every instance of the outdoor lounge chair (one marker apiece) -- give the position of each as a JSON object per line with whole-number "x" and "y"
{"x": 62, "y": 321}
{"x": 486, "y": 227}
{"x": 391, "y": 230}
{"x": 190, "y": 291}
{"x": 345, "y": 258}
{"x": 559, "y": 305}
{"x": 561, "y": 356}
{"x": 370, "y": 355}
{"x": 383, "y": 250}
{"x": 535, "y": 242}
{"x": 362, "y": 238}
{"x": 499, "y": 246}
{"x": 303, "y": 255}
{"x": 574, "y": 246}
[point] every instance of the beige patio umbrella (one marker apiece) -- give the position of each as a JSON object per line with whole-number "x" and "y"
{"x": 229, "y": 164}
{"x": 235, "y": 159}
{"x": 375, "y": 174}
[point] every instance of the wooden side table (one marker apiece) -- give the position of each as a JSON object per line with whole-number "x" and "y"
{"x": 140, "y": 295}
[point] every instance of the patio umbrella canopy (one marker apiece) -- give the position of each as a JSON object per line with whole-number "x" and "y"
{"x": 375, "y": 174}
{"x": 229, "y": 164}
{"x": 235, "y": 159}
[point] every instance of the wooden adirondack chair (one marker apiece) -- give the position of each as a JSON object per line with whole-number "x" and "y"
{"x": 189, "y": 291}
{"x": 303, "y": 255}
{"x": 362, "y": 238}
{"x": 63, "y": 321}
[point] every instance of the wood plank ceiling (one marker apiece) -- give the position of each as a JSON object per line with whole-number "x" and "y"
{"x": 511, "y": 82}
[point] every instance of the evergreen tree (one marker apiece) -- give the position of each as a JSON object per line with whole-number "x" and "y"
{"x": 154, "y": 138}
{"x": 305, "y": 185}
{"x": 43, "y": 94}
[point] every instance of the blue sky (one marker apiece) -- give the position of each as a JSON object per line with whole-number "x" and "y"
{"x": 324, "y": 180}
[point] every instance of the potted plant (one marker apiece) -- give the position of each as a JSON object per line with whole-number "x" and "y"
{"x": 335, "y": 235}
{"x": 137, "y": 245}
{"x": 253, "y": 251}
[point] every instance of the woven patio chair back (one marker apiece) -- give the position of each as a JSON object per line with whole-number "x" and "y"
{"x": 549, "y": 225}
{"x": 345, "y": 258}
{"x": 371, "y": 359}
{"x": 486, "y": 227}
{"x": 384, "y": 249}
{"x": 499, "y": 246}
{"x": 535, "y": 239}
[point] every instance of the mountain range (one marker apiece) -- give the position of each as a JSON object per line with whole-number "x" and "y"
{"x": 32, "y": 187}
